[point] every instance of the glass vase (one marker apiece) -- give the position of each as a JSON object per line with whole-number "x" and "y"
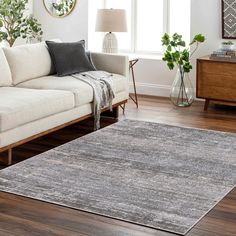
{"x": 182, "y": 92}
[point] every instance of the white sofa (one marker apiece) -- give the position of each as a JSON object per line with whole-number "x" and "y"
{"x": 34, "y": 101}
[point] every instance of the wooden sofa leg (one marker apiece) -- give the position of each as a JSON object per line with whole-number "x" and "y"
{"x": 116, "y": 112}
{"x": 9, "y": 162}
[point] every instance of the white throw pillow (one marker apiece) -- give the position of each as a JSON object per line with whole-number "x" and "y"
{"x": 28, "y": 61}
{"x": 5, "y": 72}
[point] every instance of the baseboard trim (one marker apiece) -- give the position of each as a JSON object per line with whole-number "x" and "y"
{"x": 151, "y": 89}
{"x": 155, "y": 90}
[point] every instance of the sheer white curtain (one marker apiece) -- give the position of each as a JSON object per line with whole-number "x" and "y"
{"x": 149, "y": 25}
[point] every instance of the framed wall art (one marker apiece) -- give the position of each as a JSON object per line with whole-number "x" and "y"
{"x": 229, "y": 19}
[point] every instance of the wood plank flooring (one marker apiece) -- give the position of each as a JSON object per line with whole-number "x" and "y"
{"x": 21, "y": 216}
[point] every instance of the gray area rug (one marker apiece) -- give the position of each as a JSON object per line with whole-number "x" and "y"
{"x": 155, "y": 175}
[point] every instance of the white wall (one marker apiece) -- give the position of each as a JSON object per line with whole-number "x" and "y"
{"x": 206, "y": 19}
{"x": 152, "y": 75}
{"x": 73, "y": 27}
{"x": 30, "y": 7}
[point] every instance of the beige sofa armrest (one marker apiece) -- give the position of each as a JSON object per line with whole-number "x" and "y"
{"x": 117, "y": 64}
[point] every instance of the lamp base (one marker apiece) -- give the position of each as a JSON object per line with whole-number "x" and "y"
{"x": 110, "y": 43}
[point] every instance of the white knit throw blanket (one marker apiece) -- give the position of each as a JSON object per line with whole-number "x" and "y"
{"x": 103, "y": 91}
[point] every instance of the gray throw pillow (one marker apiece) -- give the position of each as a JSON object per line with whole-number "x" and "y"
{"x": 69, "y": 58}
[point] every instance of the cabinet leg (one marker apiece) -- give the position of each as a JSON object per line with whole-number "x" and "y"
{"x": 206, "y": 104}
{"x": 9, "y": 161}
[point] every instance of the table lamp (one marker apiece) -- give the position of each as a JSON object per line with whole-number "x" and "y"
{"x": 111, "y": 20}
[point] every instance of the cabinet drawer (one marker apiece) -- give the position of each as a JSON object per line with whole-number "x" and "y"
{"x": 220, "y": 68}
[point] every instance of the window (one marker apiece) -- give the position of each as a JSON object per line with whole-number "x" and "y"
{"x": 147, "y": 22}
{"x": 149, "y": 25}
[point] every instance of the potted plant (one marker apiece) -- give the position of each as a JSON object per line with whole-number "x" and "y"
{"x": 14, "y": 24}
{"x": 227, "y": 46}
{"x": 177, "y": 54}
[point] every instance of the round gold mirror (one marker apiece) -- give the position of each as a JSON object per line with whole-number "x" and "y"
{"x": 59, "y": 8}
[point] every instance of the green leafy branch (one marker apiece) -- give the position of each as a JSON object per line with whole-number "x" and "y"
{"x": 13, "y": 23}
{"x": 176, "y": 52}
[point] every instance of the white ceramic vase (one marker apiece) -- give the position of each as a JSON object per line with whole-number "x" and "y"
{"x": 110, "y": 43}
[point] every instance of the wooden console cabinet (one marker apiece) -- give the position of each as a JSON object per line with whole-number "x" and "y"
{"x": 216, "y": 81}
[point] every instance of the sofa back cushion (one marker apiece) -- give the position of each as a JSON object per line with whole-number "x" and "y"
{"x": 5, "y": 72}
{"x": 28, "y": 61}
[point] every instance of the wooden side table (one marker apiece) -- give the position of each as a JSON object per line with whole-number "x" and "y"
{"x": 216, "y": 81}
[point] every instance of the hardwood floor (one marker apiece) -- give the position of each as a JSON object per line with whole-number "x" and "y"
{"x": 21, "y": 216}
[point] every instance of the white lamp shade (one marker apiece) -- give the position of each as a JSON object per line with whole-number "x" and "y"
{"x": 111, "y": 20}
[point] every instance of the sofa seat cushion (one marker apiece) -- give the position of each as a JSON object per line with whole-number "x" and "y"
{"x": 19, "y": 106}
{"x": 82, "y": 91}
